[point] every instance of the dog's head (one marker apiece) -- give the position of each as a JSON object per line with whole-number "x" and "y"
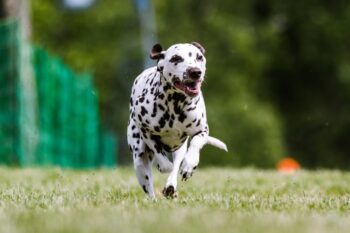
{"x": 182, "y": 65}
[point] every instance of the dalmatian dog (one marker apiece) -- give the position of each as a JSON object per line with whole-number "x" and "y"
{"x": 168, "y": 116}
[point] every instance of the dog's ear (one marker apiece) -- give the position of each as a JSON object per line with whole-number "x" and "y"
{"x": 199, "y": 46}
{"x": 156, "y": 52}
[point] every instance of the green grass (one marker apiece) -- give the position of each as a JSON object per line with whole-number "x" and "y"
{"x": 213, "y": 200}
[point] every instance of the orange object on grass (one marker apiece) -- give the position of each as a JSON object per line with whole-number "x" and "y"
{"x": 288, "y": 165}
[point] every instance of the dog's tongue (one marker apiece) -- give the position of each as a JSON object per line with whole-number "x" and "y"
{"x": 191, "y": 90}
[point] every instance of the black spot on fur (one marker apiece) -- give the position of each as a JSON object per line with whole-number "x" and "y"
{"x": 182, "y": 117}
{"x": 144, "y": 135}
{"x": 154, "y": 113}
{"x": 177, "y": 109}
{"x": 191, "y": 109}
{"x": 179, "y": 97}
{"x": 166, "y": 116}
{"x": 163, "y": 119}
{"x": 189, "y": 125}
{"x": 199, "y": 132}
{"x": 143, "y": 111}
{"x": 161, "y": 122}
{"x": 161, "y": 96}
{"x": 146, "y": 177}
{"x": 136, "y": 135}
{"x": 176, "y": 59}
{"x": 144, "y": 189}
{"x": 161, "y": 107}
{"x": 142, "y": 99}
{"x": 158, "y": 144}
{"x": 167, "y": 87}
{"x": 167, "y": 148}
{"x": 170, "y": 97}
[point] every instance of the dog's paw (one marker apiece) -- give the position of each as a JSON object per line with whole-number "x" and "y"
{"x": 169, "y": 192}
{"x": 187, "y": 168}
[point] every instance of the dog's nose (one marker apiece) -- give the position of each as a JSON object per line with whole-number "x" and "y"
{"x": 194, "y": 73}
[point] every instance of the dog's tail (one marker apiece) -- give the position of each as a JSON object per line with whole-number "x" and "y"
{"x": 216, "y": 142}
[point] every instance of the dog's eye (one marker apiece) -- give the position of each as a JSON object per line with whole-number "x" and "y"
{"x": 199, "y": 57}
{"x": 176, "y": 59}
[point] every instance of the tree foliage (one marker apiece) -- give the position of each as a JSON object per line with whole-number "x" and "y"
{"x": 277, "y": 77}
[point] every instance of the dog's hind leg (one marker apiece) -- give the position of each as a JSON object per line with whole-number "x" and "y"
{"x": 143, "y": 168}
{"x": 142, "y": 158}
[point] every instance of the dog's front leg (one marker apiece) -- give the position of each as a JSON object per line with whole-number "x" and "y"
{"x": 191, "y": 159}
{"x": 171, "y": 184}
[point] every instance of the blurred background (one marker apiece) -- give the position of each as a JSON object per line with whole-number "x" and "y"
{"x": 277, "y": 82}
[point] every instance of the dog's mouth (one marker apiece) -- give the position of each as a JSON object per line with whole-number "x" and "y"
{"x": 190, "y": 87}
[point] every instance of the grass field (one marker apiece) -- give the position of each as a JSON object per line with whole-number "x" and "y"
{"x": 213, "y": 200}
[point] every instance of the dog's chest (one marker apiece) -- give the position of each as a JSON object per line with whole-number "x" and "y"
{"x": 168, "y": 115}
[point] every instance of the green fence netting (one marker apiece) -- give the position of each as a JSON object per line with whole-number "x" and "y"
{"x": 48, "y": 114}
{"x": 9, "y": 76}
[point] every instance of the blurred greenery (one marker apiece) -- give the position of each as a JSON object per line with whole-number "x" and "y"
{"x": 278, "y": 72}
